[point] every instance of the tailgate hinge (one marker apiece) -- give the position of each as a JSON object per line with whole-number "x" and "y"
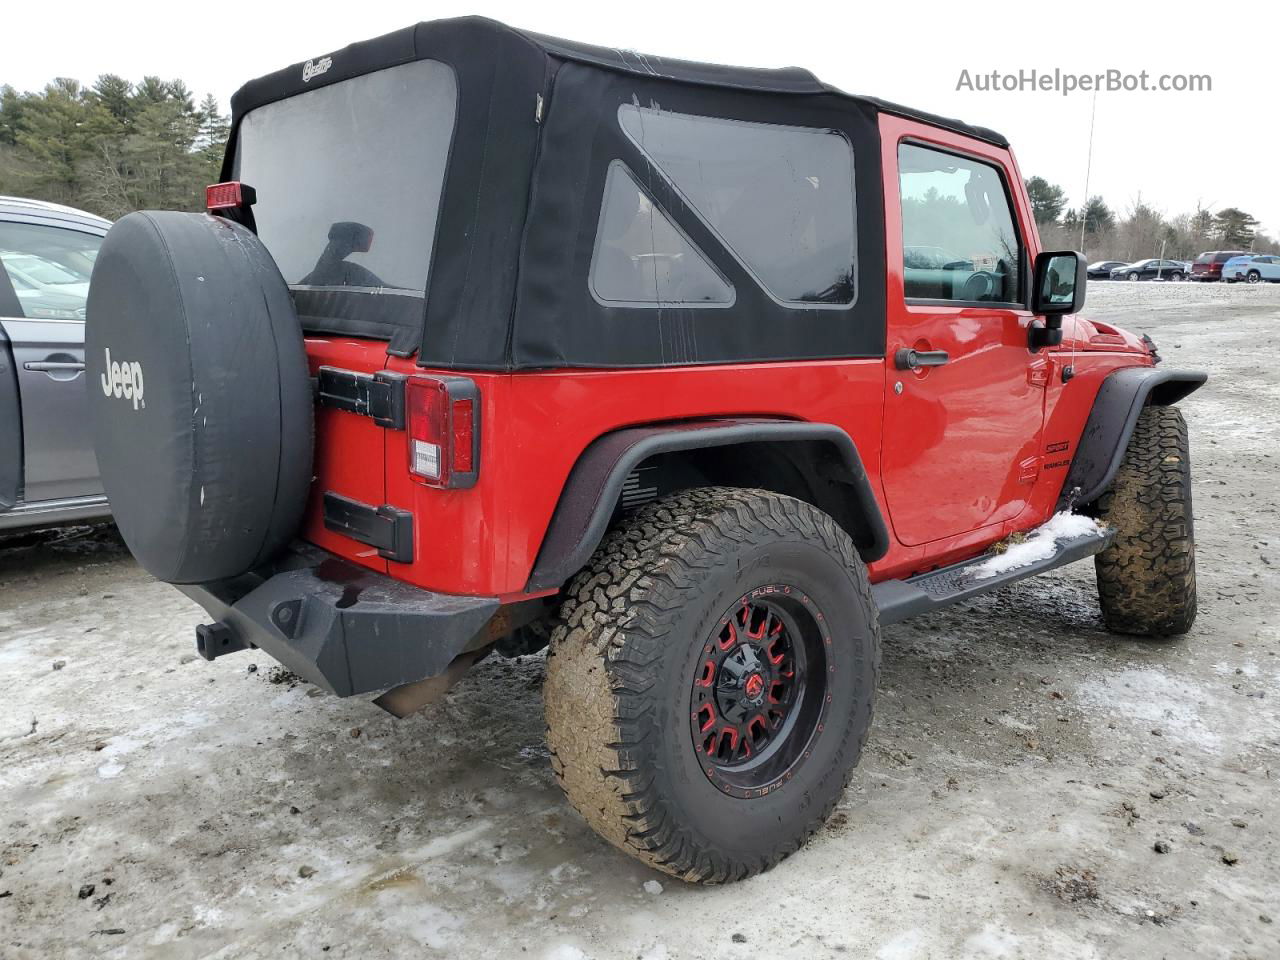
{"x": 387, "y": 528}
{"x": 379, "y": 396}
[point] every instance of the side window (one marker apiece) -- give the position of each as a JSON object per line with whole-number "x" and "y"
{"x": 642, "y": 258}
{"x": 779, "y": 198}
{"x": 49, "y": 268}
{"x": 959, "y": 241}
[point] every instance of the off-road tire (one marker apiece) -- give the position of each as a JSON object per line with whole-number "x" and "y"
{"x": 627, "y": 644}
{"x": 1147, "y": 576}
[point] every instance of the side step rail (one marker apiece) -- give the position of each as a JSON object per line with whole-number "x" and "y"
{"x": 899, "y": 599}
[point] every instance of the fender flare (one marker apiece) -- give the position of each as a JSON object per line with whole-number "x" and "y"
{"x": 1106, "y": 433}
{"x": 595, "y": 483}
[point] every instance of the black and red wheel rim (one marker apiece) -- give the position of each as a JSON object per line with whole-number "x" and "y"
{"x": 761, "y": 690}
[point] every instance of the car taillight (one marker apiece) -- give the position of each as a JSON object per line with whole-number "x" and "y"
{"x": 444, "y": 430}
{"x": 229, "y": 195}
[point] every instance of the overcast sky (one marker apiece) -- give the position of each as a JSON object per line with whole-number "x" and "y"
{"x": 1174, "y": 149}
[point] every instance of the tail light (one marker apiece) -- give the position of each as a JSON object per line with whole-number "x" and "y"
{"x": 443, "y": 419}
{"x": 228, "y": 196}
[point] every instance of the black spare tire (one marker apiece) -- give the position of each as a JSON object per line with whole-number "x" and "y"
{"x": 199, "y": 395}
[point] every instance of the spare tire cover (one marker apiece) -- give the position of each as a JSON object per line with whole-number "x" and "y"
{"x": 199, "y": 395}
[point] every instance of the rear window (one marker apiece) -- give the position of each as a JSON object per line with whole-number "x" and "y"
{"x": 349, "y": 178}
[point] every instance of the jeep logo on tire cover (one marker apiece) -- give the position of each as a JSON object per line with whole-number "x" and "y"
{"x": 123, "y": 379}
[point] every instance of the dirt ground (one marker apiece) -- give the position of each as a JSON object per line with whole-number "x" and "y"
{"x": 1023, "y": 766}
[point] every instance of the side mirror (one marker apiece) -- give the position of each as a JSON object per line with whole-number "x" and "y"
{"x": 1058, "y": 288}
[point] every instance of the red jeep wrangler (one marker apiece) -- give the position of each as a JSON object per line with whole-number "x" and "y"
{"x": 697, "y": 374}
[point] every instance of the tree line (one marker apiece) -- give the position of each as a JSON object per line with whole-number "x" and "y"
{"x": 1142, "y": 231}
{"x": 112, "y": 147}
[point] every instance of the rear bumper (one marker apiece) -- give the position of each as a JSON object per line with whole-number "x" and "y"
{"x": 342, "y": 627}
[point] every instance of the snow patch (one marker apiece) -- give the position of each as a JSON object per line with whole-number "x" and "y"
{"x": 1153, "y": 699}
{"x": 903, "y": 946}
{"x": 991, "y": 941}
{"x": 1040, "y": 544}
{"x": 109, "y": 771}
{"x": 565, "y": 951}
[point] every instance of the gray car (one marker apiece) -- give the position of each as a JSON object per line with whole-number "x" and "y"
{"x": 48, "y": 472}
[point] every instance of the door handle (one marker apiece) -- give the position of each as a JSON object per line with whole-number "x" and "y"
{"x": 53, "y": 366}
{"x": 63, "y": 371}
{"x": 909, "y": 359}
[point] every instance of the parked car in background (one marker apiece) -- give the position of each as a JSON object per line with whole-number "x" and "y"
{"x": 48, "y": 471}
{"x": 1102, "y": 269}
{"x": 1252, "y": 268}
{"x": 1151, "y": 270}
{"x": 1208, "y": 266}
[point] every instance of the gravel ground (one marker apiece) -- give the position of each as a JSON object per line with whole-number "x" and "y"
{"x": 1024, "y": 775}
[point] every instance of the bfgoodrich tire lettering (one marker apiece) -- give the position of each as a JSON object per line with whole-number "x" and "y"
{"x": 1147, "y": 576}
{"x": 629, "y": 646}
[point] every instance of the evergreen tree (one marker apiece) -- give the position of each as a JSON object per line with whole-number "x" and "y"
{"x": 1235, "y": 229}
{"x": 1098, "y": 217}
{"x": 116, "y": 96}
{"x": 113, "y": 147}
{"x": 1047, "y": 200}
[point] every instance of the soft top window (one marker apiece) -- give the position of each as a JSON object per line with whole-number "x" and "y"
{"x": 780, "y": 198}
{"x": 643, "y": 259}
{"x": 349, "y": 178}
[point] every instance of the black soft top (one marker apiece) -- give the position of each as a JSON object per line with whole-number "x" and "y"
{"x": 535, "y": 135}
{"x": 408, "y": 43}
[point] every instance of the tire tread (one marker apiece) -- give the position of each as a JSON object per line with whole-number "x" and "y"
{"x": 619, "y": 615}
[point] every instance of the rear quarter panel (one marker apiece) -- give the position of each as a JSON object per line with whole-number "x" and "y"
{"x": 536, "y": 425}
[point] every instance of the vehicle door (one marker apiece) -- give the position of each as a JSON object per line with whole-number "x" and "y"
{"x": 964, "y": 412}
{"x": 47, "y": 269}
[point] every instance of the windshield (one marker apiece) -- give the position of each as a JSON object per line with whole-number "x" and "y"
{"x": 349, "y": 177}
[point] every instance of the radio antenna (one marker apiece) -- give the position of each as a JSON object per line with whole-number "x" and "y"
{"x": 1088, "y": 171}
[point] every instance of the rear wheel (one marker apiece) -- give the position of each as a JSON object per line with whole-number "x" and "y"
{"x": 709, "y": 686}
{"x": 1147, "y": 576}
{"x": 1254, "y": 276}
{"x": 1176, "y": 276}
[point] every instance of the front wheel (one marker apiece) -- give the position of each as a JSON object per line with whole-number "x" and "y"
{"x": 710, "y": 679}
{"x": 1147, "y": 576}
{"x": 1134, "y": 276}
{"x": 1254, "y": 276}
